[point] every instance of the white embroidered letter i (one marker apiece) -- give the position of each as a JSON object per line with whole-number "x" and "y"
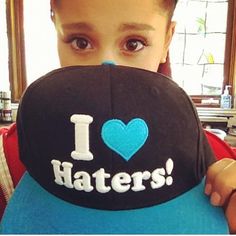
{"x": 81, "y": 151}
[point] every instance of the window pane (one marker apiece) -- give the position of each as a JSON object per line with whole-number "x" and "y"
{"x": 40, "y": 39}
{"x": 198, "y": 47}
{"x": 4, "y": 72}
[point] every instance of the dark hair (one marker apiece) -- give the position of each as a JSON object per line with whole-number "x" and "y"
{"x": 168, "y": 6}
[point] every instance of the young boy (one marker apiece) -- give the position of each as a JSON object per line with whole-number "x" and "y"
{"x": 134, "y": 33}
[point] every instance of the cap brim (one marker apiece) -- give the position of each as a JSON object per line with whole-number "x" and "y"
{"x": 32, "y": 210}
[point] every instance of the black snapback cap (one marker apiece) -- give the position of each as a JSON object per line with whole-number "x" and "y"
{"x": 111, "y": 149}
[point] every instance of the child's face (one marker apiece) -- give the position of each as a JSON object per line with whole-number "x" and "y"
{"x": 134, "y": 33}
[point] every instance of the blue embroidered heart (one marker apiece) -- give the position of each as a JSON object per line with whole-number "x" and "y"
{"x": 125, "y": 140}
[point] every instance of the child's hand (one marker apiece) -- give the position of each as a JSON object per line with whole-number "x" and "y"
{"x": 220, "y": 186}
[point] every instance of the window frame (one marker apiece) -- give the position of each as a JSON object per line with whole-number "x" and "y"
{"x": 230, "y": 50}
{"x": 17, "y": 64}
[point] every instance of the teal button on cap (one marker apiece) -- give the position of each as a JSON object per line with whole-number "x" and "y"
{"x": 108, "y": 63}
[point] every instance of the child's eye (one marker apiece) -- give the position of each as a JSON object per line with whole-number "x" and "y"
{"x": 81, "y": 44}
{"x": 134, "y": 45}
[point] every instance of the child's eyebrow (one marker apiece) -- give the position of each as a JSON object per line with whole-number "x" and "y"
{"x": 123, "y": 27}
{"x": 78, "y": 25}
{"x": 136, "y": 26}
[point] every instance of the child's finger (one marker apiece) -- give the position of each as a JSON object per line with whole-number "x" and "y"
{"x": 231, "y": 213}
{"x": 223, "y": 185}
{"x": 213, "y": 171}
{"x": 221, "y": 181}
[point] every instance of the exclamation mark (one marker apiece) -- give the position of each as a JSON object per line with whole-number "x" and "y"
{"x": 169, "y": 169}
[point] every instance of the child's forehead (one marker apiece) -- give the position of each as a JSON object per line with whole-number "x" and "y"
{"x": 157, "y": 4}
{"x": 110, "y": 8}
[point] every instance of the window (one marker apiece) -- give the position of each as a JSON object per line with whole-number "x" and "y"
{"x": 198, "y": 51}
{"x": 40, "y": 39}
{"x": 202, "y": 52}
{"x": 29, "y": 42}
